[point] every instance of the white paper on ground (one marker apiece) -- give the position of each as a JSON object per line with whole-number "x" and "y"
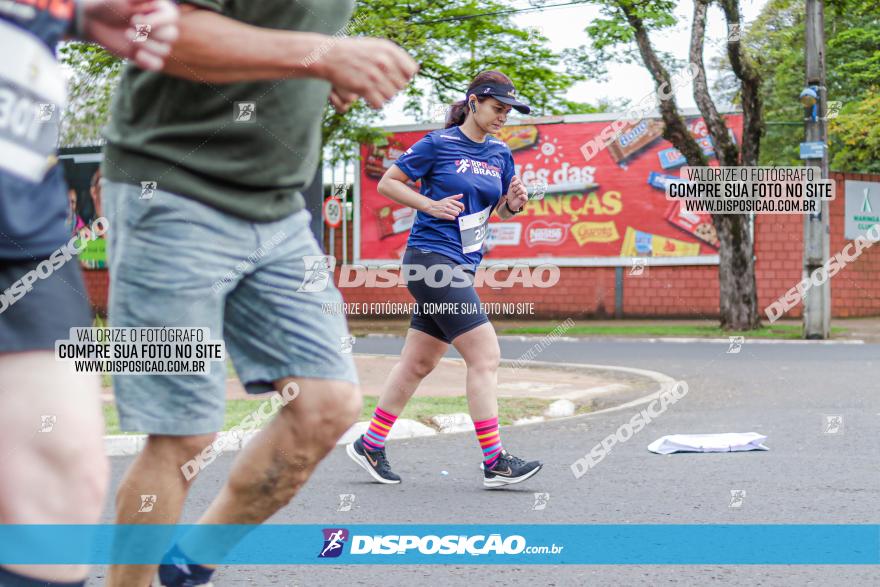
{"x": 726, "y": 442}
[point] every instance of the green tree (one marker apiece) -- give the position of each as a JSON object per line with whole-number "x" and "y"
{"x": 452, "y": 41}
{"x": 93, "y": 75}
{"x": 776, "y": 38}
{"x": 856, "y": 134}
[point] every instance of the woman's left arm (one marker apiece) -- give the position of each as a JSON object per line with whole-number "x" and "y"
{"x": 514, "y": 200}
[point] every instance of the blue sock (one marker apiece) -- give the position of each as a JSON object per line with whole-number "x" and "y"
{"x": 181, "y": 571}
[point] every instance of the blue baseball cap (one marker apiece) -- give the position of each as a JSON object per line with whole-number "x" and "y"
{"x": 504, "y": 93}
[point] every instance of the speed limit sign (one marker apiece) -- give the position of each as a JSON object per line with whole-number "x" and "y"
{"x": 333, "y": 212}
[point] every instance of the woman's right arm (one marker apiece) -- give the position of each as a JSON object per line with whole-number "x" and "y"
{"x": 393, "y": 186}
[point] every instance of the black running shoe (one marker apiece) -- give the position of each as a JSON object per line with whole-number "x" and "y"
{"x": 508, "y": 470}
{"x": 183, "y": 573}
{"x": 375, "y": 462}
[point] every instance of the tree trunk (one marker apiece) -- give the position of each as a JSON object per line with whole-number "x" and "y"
{"x": 738, "y": 299}
{"x": 750, "y": 86}
{"x": 738, "y": 292}
{"x": 674, "y": 128}
{"x": 738, "y": 302}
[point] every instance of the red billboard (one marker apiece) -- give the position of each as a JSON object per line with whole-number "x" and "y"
{"x": 603, "y": 194}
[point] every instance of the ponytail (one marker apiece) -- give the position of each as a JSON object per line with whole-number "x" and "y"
{"x": 457, "y": 114}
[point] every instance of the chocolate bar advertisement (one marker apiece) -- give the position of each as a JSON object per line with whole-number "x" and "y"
{"x": 603, "y": 197}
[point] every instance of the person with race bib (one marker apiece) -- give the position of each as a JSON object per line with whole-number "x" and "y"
{"x": 53, "y": 469}
{"x": 466, "y": 174}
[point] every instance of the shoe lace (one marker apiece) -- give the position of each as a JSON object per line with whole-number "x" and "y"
{"x": 514, "y": 461}
{"x": 382, "y": 460}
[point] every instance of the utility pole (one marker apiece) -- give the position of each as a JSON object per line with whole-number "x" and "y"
{"x": 817, "y": 302}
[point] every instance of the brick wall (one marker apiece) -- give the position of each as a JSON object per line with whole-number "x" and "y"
{"x": 671, "y": 292}
{"x": 855, "y": 290}
{"x": 97, "y": 286}
{"x": 666, "y": 292}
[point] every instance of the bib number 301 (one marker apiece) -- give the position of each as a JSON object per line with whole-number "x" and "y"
{"x": 474, "y": 228}
{"x": 32, "y": 96}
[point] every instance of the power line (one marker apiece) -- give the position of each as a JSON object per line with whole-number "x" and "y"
{"x": 498, "y": 13}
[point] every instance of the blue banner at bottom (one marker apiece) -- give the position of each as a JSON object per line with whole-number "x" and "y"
{"x": 733, "y": 544}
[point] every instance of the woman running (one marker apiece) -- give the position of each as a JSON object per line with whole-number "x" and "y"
{"x": 466, "y": 174}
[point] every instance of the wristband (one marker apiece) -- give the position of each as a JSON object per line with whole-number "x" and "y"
{"x": 511, "y": 210}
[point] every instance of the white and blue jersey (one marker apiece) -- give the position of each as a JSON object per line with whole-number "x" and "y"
{"x": 448, "y": 163}
{"x": 33, "y": 199}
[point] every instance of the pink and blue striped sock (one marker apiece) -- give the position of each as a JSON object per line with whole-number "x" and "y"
{"x": 490, "y": 440}
{"x": 380, "y": 426}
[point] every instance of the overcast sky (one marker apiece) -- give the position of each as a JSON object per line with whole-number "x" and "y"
{"x": 564, "y": 27}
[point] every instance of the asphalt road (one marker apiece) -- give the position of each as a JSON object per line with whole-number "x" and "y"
{"x": 780, "y": 390}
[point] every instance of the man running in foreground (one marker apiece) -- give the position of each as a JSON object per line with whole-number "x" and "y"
{"x": 52, "y": 464}
{"x": 227, "y": 135}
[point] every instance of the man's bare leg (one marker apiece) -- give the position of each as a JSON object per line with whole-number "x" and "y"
{"x": 266, "y": 474}
{"x": 278, "y": 461}
{"x": 51, "y": 472}
{"x": 155, "y": 471}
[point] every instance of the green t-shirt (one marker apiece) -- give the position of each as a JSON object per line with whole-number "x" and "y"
{"x": 246, "y": 148}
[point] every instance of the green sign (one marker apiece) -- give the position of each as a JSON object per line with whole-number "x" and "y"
{"x": 862, "y": 207}
{"x": 94, "y": 256}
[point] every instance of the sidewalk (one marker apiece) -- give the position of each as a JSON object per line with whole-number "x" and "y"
{"x": 866, "y": 329}
{"x": 580, "y": 384}
{"x": 448, "y": 379}
{"x": 568, "y": 386}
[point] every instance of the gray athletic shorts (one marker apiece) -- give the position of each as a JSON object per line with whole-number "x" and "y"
{"x": 176, "y": 262}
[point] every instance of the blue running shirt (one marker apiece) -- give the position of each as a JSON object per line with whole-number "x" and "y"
{"x": 33, "y": 193}
{"x": 449, "y": 163}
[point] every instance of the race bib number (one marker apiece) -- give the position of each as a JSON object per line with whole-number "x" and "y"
{"x": 474, "y": 229}
{"x": 32, "y": 97}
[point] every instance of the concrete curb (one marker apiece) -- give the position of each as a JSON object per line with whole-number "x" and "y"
{"x": 683, "y": 340}
{"x": 131, "y": 444}
{"x": 665, "y": 382}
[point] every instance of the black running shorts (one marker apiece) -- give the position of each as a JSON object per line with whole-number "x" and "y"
{"x": 40, "y": 304}
{"x": 445, "y": 308}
